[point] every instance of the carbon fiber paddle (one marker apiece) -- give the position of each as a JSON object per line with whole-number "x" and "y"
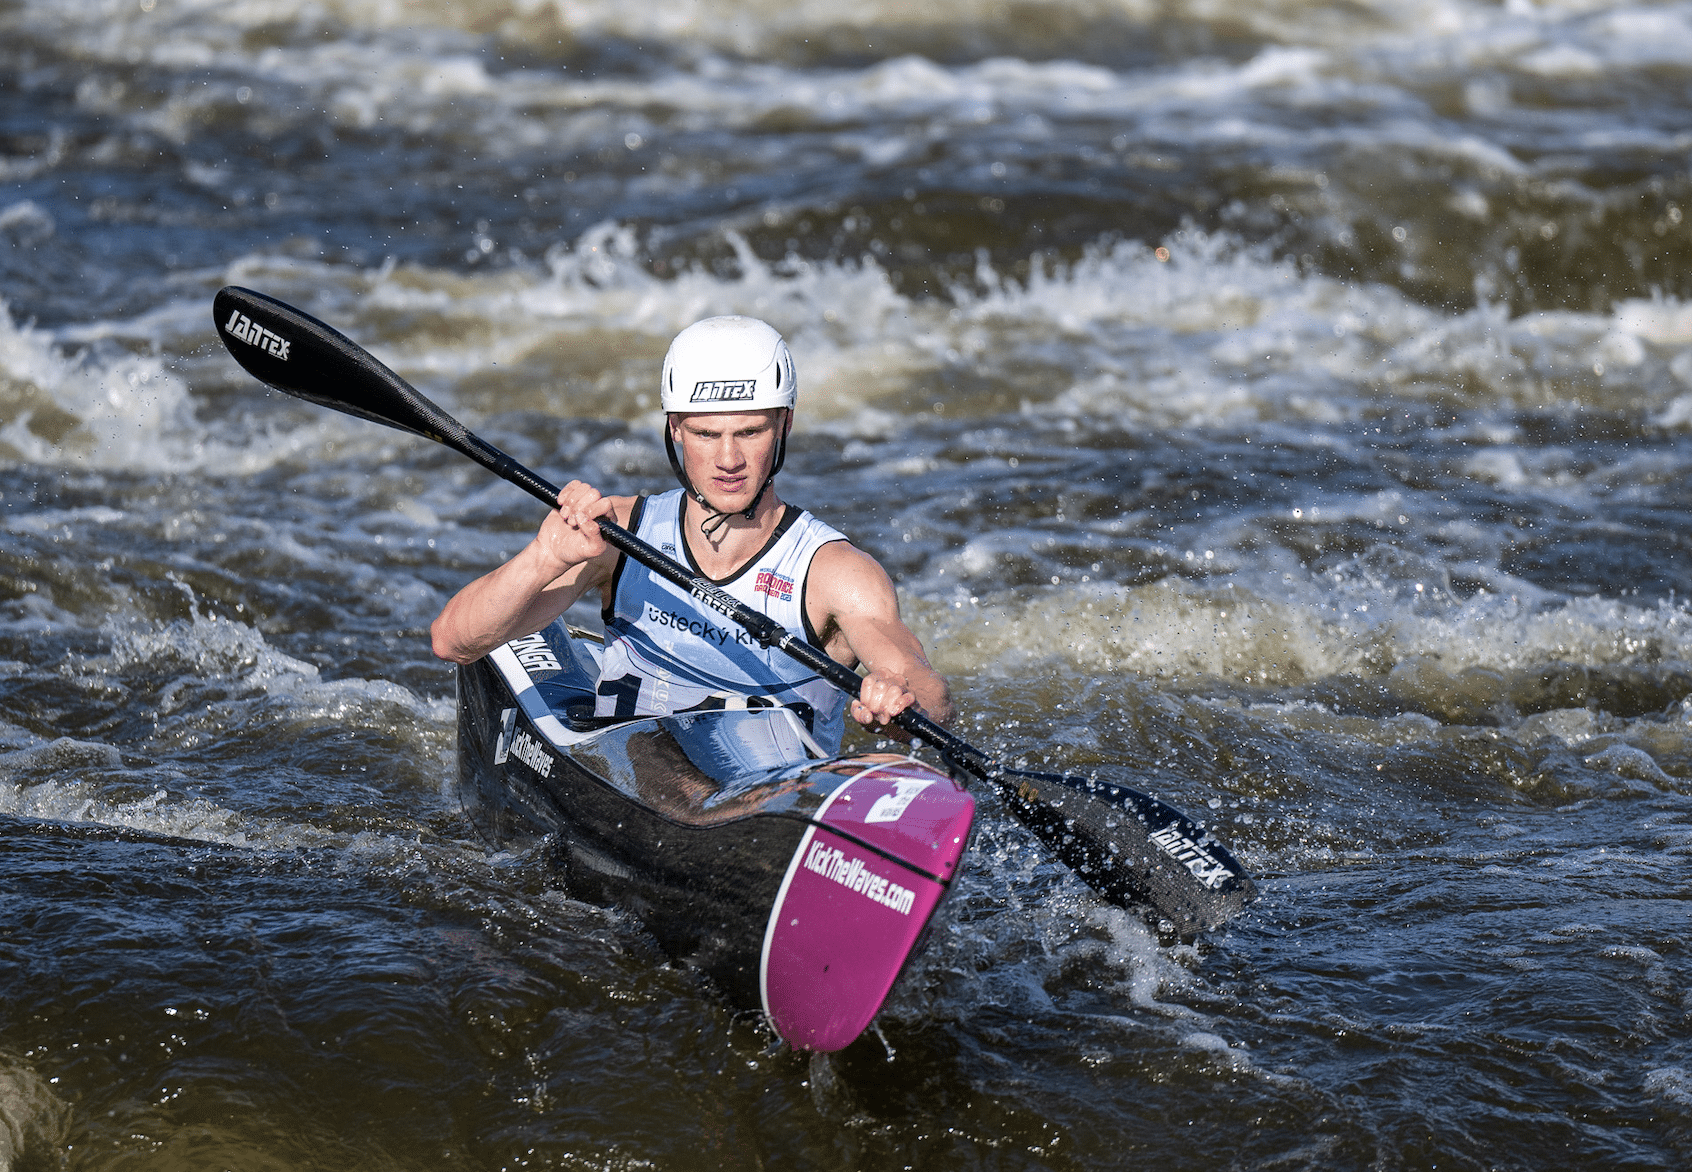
{"x": 1128, "y": 846}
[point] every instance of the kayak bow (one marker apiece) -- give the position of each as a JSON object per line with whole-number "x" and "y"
{"x": 799, "y": 884}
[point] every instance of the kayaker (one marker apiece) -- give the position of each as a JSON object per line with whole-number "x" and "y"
{"x": 728, "y": 390}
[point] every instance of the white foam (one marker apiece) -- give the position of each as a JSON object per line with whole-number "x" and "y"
{"x": 1218, "y": 335}
{"x": 1197, "y": 329}
{"x": 24, "y": 795}
{"x": 1664, "y": 321}
{"x": 99, "y": 408}
{"x": 762, "y": 27}
{"x": 43, "y": 783}
{"x": 1149, "y": 971}
{"x": 1281, "y": 633}
{"x": 426, "y": 69}
{"x": 215, "y": 648}
{"x": 67, "y": 780}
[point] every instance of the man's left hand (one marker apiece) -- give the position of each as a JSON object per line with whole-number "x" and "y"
{"x": 883, "y": 696}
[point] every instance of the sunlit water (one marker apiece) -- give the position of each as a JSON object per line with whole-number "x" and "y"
{"x": 1282, "y": 408}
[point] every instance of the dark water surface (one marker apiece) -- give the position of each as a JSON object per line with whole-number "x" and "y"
{"x": 1286, "y": 409}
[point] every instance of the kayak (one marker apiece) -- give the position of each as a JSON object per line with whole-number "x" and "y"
{"x": 800, "y": 884}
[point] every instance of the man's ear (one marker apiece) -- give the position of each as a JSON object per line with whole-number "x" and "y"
{"x": 787, "y": 428}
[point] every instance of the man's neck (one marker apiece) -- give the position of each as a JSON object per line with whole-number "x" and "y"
{"x": 739, "y": 539}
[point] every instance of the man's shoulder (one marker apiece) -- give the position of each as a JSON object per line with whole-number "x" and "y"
{"x": 841, "y": 571}
{"x": 839, "y": 551}
{"x": 813, "y": 527}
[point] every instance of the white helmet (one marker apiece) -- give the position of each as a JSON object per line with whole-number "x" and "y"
{"x": 728, "y": 364}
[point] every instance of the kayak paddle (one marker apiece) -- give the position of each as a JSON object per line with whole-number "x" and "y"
{"x": 1130, "y": 847}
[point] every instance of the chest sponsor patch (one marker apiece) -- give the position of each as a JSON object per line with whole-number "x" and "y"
{"x": 697, "y": 627}
{"x": 771, "y": 583}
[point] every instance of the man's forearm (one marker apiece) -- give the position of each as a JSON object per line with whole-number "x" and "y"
{"x": 932, "y": 694}
{"x": 499, "y": 606}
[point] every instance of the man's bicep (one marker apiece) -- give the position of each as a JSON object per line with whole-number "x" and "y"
{"x": 864, "y": 606}
{"x": 844, "y": 588}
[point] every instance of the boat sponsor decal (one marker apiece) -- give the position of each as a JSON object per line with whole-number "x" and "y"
{"x": 502, "y": 746}
{"x": 245, "y": 329}
{"x": 771, "y": 583}
{"x": 516, "y": 742}
{"x": 698, "y": 627}
{"x": 724, "y": 390}
{"x": 533, "y": 653}
{"x": 889, "y": 807}
{"x": 851, "y": 872}
{"x": 528, "y": 750}
{"x": 1195, "y": 858}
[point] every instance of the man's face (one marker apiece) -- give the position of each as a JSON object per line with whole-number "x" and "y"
{"x": 727, "y": 456}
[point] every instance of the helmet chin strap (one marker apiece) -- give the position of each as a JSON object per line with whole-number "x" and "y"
{"x": 715, "y": 518}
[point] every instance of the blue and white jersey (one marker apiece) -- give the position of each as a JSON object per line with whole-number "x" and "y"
{"x": 664, "y": 653}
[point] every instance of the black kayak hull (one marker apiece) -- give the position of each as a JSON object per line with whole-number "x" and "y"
{"x": 800, "y": 885}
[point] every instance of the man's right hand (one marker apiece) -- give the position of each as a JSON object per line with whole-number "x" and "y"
{"x": 570, "y": 534}
{"x": 567, "y": 558}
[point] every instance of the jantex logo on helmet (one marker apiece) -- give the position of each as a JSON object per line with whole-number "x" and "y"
{"x": 724, "y": 390}
{"x": 249, "y": 331}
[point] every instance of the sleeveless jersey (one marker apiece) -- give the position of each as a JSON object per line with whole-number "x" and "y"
{"x": 664, "y": 653}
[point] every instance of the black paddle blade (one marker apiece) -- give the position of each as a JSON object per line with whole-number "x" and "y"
{"x": 301, "y": 356}
{"x": 297, "y": 354}
{"x": 1131, "y": 848}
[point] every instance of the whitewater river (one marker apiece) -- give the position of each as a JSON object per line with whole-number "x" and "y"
{"x": 1285, "y": 408}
